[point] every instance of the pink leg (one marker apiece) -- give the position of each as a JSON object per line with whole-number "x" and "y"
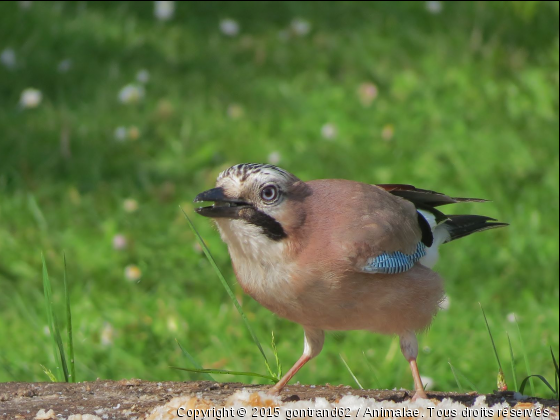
{"x": 286, "y": 378}
{"x": 313, "y": 345}
{"x": 409, "y": 348}
{"x": 418, "y": 387}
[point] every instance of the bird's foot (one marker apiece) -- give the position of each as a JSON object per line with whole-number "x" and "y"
{"x": 419, "y": 395}
{"x": 274, "y": 391}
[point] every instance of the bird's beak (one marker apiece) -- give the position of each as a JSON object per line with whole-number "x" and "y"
{"x": 224, "y": 206}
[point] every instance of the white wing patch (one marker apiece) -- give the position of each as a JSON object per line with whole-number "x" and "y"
{"x": 430, "y": 218}
{"x": 441, "y": 236}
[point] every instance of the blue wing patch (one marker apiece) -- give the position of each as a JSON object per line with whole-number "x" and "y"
{"x": 394, "y": 262}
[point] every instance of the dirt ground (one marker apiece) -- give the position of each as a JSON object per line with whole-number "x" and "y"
{"x": 129, "y": 399}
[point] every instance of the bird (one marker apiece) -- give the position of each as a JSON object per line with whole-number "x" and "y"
{"x": 337, "y": 255}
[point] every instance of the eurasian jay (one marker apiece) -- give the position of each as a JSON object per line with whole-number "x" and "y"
{"x": 333, "y": 254}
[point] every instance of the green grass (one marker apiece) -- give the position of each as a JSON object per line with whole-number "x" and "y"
{"x": 54, "y": 326}
{"x": 472, "y": 96}
{"x": 512, "y": 362}
{"x": 274, "y": 377}
{"x": 501, "y": 380}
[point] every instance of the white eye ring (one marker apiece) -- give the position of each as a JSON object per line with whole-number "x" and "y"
{"x": 269, "y": 193}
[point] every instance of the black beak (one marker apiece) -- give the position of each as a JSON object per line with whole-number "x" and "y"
{"x": 224, "y": 206}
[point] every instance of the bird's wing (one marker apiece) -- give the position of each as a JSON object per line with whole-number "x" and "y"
{"x": 424, "y": 197}
{"x": 395, "y": 238}
{"x": 427, "y": 200}
{"x": 421, "y": 205}
{"x": 394, "y": 262}
{"x": 377, "y": 232}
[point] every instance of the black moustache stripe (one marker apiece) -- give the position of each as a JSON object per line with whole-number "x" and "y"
{"x": 270, "y": 227}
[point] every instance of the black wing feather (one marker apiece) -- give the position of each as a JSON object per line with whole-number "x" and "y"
{"x": 425, "y": 197}
{"x": 458, "y": 225}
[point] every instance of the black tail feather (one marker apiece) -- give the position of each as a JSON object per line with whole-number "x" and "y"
{"x": 459, "y": 225}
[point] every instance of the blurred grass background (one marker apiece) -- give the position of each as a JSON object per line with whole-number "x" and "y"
{"x": 459, "y": 97}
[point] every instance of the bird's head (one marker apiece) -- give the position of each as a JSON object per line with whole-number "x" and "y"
{"x": 256, "y": 196}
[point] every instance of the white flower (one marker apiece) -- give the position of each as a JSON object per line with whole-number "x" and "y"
{"x": 8, "y": 58}
{"x": 143, "y": 76}
{"x": 328, "y": 131}
{"x": 434, "y": 7}
{"x": 300, "y": 27}
{"x": 120, "y": 133}
{"x": 130, "y": 205}
{"x": 427, "y": 382}
{"x": 25, "y": 5}
{"x": 119, "y": 242}
{"x": 64, "y": 66}
{"x": 30, "y": 98}
{"x": 132, "y": 273}
{"x": 164, "y": 10}
{"x": 131, "y": 94}
{"x": 445, "y": 303}
{"x": 229, "y": 27}
{"x": 274, "y": 158}
{"x": 172, "y": 324}
{"x": 511, "y": 317}
{"x": 107, "y": 334}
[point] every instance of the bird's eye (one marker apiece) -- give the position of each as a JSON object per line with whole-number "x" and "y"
{"x": 269, "y": 193}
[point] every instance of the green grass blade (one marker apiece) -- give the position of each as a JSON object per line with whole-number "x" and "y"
{"x": 457, "y": 373}
{"x": 278, "y": 364}
{"x": 69, "y": 327}
{"x": 377, "y": 383}
{"x": 194, "y": 362}
{"x": 526, "y": 359}
{"x": 556, "y": 374}
{"x": 226, "y": 372}
{"x": 491, "y": 338}
{"x": 53, "y": 321}
{"x": 229, "y": 291}
{"x": 48, "y": 302}
{"x": 61, "y": 351}
{"x": 555, "y": 366}
{"x": 49, "y": 373}
{"x": 513, "y": 371}
{"x": 455, "y": 376}
{"x": 501, "y": 382}
{"x": 36, "y": 212}
{"x": 554, "y": 361}
{"x": 542, "y": 378}
{"x": 350, "y": 371}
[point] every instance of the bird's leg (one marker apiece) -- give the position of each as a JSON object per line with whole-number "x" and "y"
{"x": 313, "y": 344}
{"x": 409, "y": 348}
